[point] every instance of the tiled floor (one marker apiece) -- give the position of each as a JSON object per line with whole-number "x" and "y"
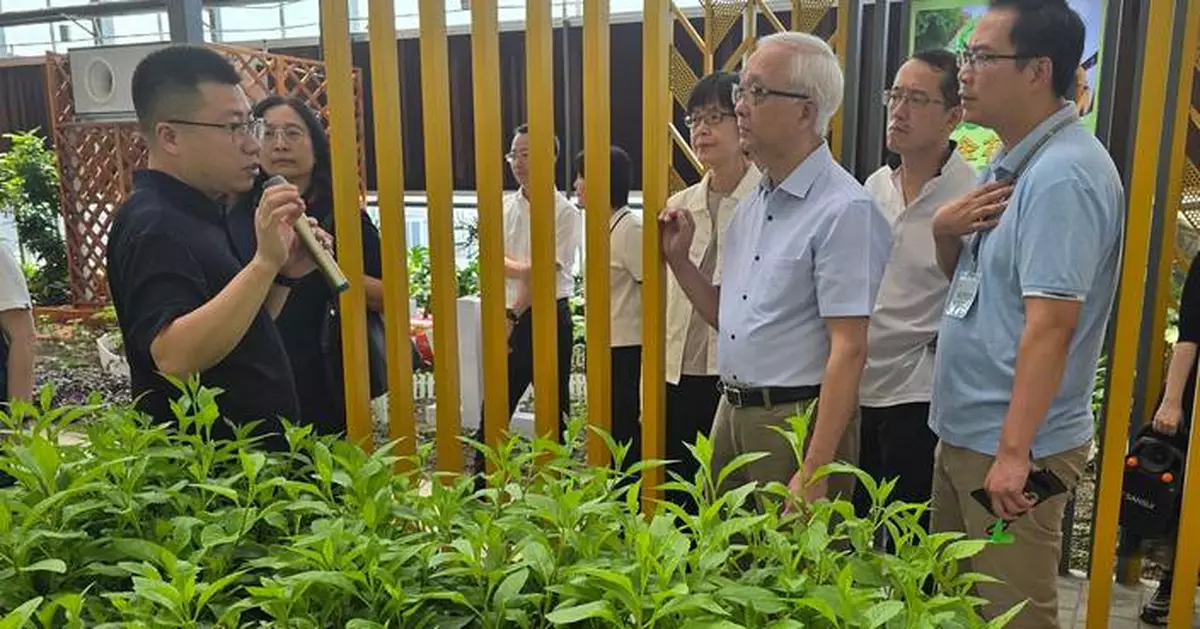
{"x": 1126, "y": 604}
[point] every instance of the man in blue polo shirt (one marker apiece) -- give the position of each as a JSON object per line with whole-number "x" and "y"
{"x": 1031, "y": 292}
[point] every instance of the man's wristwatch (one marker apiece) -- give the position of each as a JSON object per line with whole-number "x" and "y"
{"x": 285, "y": 281}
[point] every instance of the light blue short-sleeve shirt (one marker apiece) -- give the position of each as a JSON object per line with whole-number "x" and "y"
{"x": 811, "y": 248}
{"x": 1060, "y": 238}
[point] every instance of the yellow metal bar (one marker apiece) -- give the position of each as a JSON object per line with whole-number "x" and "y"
{"x": 686, "y": 24}
{"x": 710, "y": 47}
{"x": 489, "y": 184}
{"x": 739, "y": 55}
{"x": 1187, "y": 550}
{"x": 839, "y": 46}
{"x": 684, "y": 147}
{"x": 385, "y": 98}
{"x": 596, "y": 141}
{"x": 656, "y": 159}
{"x": 754, "y": 7}
{"x": 539, "y": 74}
{"x": 439, "y": 190}
{"x": 1129, "y": 316}
{"x": 339, "y": 74}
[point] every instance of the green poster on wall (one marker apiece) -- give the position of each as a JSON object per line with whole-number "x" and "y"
{"x": 948, "y": 24}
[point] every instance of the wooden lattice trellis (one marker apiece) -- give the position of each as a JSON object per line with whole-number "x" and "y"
{"x": 97, "y": 159}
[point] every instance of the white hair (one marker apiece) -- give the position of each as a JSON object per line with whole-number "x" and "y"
{"x": 816, "y": 71}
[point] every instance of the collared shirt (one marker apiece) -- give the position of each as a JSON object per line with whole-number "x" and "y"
{"x": 908, "y": 308}
{"x": 811, "y": 248}
{"x": 680, "y": 312}
{"x": 169, "y": 253}
{"x": 517, "y": 241}
{"x": 1060, "y": 238}
{"x": 14, "y": 290}
{"x": 625, "y": 278}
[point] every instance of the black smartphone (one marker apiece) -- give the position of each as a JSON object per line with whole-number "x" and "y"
{"x": 1041, "y": 484}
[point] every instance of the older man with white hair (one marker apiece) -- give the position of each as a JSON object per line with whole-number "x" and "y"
{"x": 804, "y": 255}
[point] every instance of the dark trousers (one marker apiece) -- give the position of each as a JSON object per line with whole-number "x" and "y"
{"x": 690, "y": 408}
{"x": 520, "y": 366}
{"x": 626, "y": 400}
{"x": 896, "y": 442}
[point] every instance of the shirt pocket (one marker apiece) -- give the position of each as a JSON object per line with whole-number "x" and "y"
{"x": 779, "y": 285}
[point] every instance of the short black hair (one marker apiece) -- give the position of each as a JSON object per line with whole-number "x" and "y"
{"x": 1048, "y": 28}
{"x": 715, "y": 89}
{"x": 166, "y": 82}
{"x": 321, "y": 180}
{"x": 945, "y": 62}
{"x": 620, "y": 176}
{"x": 523, "y": 129}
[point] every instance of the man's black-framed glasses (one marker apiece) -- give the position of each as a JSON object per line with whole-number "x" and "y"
{"x": 254, "y": 128}
{"x": 758, "y": 93}
{"x": 968, "y": 58}
{"x": 895, "y": 96}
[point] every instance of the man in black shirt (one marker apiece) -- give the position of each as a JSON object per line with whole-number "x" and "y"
{"x": 185, "y": 302}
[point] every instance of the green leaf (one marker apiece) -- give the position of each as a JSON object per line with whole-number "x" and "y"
{"x": 17, "y": 618}
{"x": 56, "y": 566}
{"x": 882, "y": 612}
{"x": 963, "y": 549}
{"x": 576, "y": 613}
{"x": 224, "y": 492}
{"x": 510, "y": 587}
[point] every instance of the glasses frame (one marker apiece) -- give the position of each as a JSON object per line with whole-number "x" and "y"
{"x": 760, "y": 93}
{"x": 905, "y": 96}
{"x": 710, "y": 119}
{"x": 255, "y": 128}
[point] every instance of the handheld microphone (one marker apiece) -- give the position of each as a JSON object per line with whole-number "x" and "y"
{"x": 325, "y": 262}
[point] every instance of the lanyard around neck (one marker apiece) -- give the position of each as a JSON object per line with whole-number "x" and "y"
{"x": 1016, "y": 173}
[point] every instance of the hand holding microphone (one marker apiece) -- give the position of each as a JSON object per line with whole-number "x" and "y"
{"x": 308, "y": 239}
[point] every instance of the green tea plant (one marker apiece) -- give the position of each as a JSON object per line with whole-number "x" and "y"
{"x": 146, "y": 525}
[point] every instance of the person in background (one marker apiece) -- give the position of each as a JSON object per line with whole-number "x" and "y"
{"x": 19, "y": 337}
{"x": 923, "y": 171}
{"x": 1173, "y": 420}
{"x": 692, "y": 390}
{"x": 518, "y": 263}
{"x": 1034, "y": 257}
{"x": 803, "y": 258}
{"x": 296, "y": 147}
{"x": 186, "y": 303}
{"x": 625, "y": 297}
{"x": 19, "y": 341}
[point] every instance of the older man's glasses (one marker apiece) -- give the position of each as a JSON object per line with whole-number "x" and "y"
{"x": 250, "y": 129}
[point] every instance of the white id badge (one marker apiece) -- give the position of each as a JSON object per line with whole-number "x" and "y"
{"x": 962, "y": 294}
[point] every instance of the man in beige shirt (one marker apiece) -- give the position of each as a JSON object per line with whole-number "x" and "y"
{"x": 924, "y": 170}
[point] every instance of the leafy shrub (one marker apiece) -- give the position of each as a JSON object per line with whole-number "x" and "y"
{"x": 29, "y": 189}
{"x": 144, "y": 526}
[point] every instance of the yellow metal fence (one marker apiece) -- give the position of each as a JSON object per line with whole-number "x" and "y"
{"x": 664, "y": 84}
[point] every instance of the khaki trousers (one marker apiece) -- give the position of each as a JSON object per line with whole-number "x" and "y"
{"x": 737, "y": 431}
{"x": 1029, "y": 566}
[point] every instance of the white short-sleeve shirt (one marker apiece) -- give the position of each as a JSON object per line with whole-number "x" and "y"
{"x": 568, "y": 234}
{"x": 14, "y": 291}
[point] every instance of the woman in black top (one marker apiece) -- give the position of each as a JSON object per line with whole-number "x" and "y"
{"x": 295, "y": 146}
{"x": 1174, "y": 414}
